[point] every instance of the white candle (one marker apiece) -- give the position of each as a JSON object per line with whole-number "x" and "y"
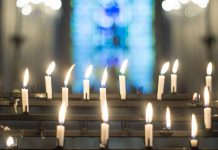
{"x": 61, "y": 128}
{"x": 48, "y": 84}
{"x": 86, "y": 88}
{"x": 168, "y": 118}
{"x": 103, "y": 89}
{"x": 122, "y": 80}
{"x": 161, "y": 80}
{"x": 174, "y": 77}
{"x": 207, "y": 109}
{"x": 104, "y": 126}
{"x": 208, "y": 78}
{"x": 193, "y": 140}
{"x": 24, "y": 92}
{"x": 65, "y": 89}
{"x": 149, "y": 126}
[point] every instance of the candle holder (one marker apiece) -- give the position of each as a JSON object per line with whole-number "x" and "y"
{"x": 103, "y": 146}
{"x": 166, "y": 132}
{"x": 193, "y": 147}
{"x": 58, "y": 147}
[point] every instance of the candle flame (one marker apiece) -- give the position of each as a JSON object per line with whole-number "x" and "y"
{"x": 195, "y": 96}
{"x": 206, "y": 96}
{"x": 105, "y": 112}
{"x": 50, "y": 68}
{"x": 168, "y": 118}
{"x": 149, "y": 113}
{"x": 67, "y": 78}
{"x": 123, "y": 66}
{"x": 209, "y": 69}
{"x": 175, "y": 66}
{"x": 88, "y": 71}
{"x": 104, "y": 77}
{"x": 194, "y": 126}
{"x": 165, "y": 67}
{"x": 62, "y": 113}
{"x": 10, "y": 141}
{"x": 26, "y": 77}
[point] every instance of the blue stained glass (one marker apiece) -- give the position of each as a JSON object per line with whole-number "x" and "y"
{"x": 105, "y": 32}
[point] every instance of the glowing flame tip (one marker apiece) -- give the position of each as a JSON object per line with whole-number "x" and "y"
{"x": 10, "y": 141}
{"x": 165, "y": 67}
{"x": 209, "y": 68}
{"x": 88, "y": 71}
{"x": 123, "y": 66}
{"x": 104, "y": 77}
{"x": 175, "y": 66}
{"x": 50, "y": 68}
{"x": 67, "y": 78}
{"x": 168, "y": 118}
{"x": 62, "y": 113}
{"x": 194, "y": 126}
{"x": 149, "y": 113}
{"x": 26, "y": 77}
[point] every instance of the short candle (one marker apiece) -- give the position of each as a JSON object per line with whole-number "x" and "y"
{"x": 149, "y": 126}
{"x": 65, "y": 88}
{"x": 161, "y": 80}
{"x": 24, "y": 92}
{"x": 86, "y": 88}
{"x": 122, "y": 80}
{"x": 174, "y": 77}
{"x": 48, "y": 83}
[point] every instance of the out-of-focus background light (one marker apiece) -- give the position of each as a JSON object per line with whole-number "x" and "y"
{"x": 28, "y": 6}
{"x": 193, "y": 7}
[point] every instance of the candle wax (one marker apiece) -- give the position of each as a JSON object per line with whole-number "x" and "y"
{"x": 48, "y": 87}
{"x": 25, "y": 100}
{"x": 86, "y": 89}
{"x": 122, "y": 83}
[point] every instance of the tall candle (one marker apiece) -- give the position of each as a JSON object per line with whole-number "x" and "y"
{"x": 65, "y": 88}
{"x": 24, "y": 92}
{"x": 161, "y": 80}
{"x": 86, "y": 88}
{"x": 122, "y": 80}
{"x": 193, "y": 140}
{"x": 208, "y": 78}
{"x": 168, "y": 118}
{"x": 149, "y": 126}
{"x": 207, "y": 109}
{"x": 48, "y": 84}
{"x": 104, "y": 126}
{"x": 174, "y": 77}
{"x": 60, "y": 127}
{"x": 103, "y": 89}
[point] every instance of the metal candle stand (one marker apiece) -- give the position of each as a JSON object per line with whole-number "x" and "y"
{"x": 76, "y": 100}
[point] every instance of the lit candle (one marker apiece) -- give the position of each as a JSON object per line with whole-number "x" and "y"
{"x": 149, "y": 126}
{"x": 103, "y": 89}
{"x": 161, "y": 80}
{"x": 104, "y": 125}
{"x": 65, "y": 88}
{"x": 48, "y": 84}
{"x": 208, "y": 78}
{"x": 174, "y": 77}
{"x": 122, "y": 80}
{"x": 10, "y": 142}
{"x": 86, "y": 89}
{"x": 207, "y": 109}
{"x": 24, "y": 91}
{"x": 60, "y": 127}
{"x": 168, "y": 118}
{"x": 193, "y": 140}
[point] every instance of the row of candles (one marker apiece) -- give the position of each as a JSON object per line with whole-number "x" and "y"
{"x": 104, "y": 137}
{"x": 103, "y": 99}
